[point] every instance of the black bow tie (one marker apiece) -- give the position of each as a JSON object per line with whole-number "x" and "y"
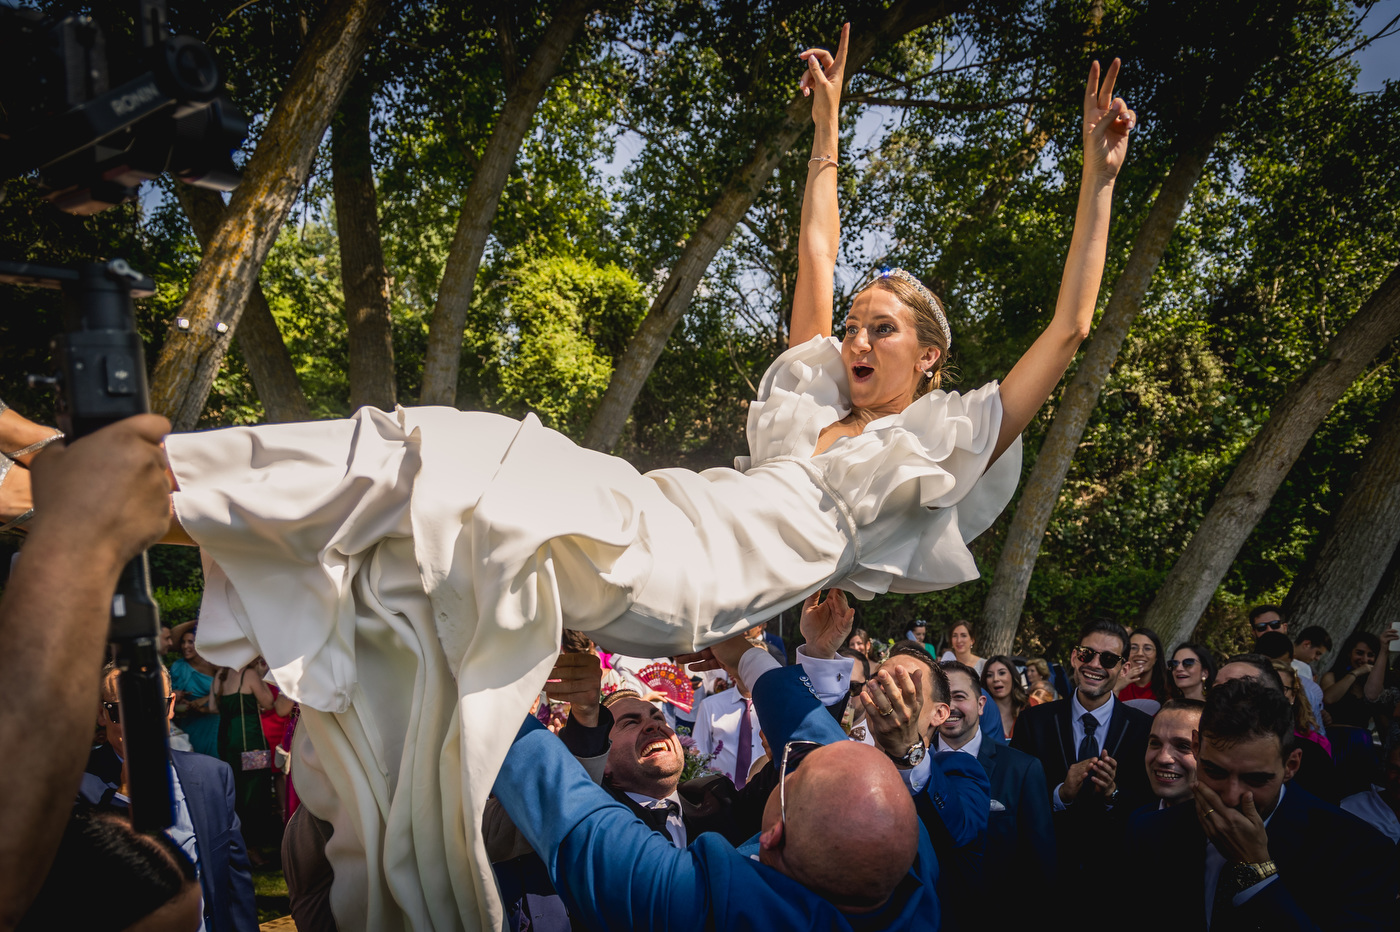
{"x": 656, "y": 817}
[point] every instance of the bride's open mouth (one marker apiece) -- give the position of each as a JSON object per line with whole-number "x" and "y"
{"x": 861, "y": 372}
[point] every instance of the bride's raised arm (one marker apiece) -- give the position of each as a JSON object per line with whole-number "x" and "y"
{"x": 1107, "y": 122}
{"x": 820, "y": 236}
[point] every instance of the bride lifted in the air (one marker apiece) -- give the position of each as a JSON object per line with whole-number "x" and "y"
{"x": 406, "y": 575}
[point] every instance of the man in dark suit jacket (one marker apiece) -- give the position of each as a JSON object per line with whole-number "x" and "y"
{"x": 1020, "y": 833}
{"x": 1316, "y": 772}
{"x": 1057, "y": 735}
{"x": 204, "y": 794}
{"x": 1255, "y": 851}
{"x": 820, "y": 862}
{"x": 1092, "y": 748}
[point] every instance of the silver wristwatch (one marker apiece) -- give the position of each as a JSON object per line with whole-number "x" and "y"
{"x": 911, "y": 757}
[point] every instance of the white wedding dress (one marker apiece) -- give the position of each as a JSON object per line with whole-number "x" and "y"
{"x": 406, "y": 576}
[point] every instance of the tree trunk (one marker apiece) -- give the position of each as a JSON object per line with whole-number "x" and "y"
{"x": 274, "y": 174}
{"x": 1384, "y": 609}
{"x": 442, "y": 360}
{"x": 733, "y": 201}
{"x": 1258, "y": 35}
{"x": 363, "y": 276}
{"x": 274, "y": 376}
{"x": 1266, "y": 461}
{"x": 1334, "y": 590}
{"x": 1001, "y": 613}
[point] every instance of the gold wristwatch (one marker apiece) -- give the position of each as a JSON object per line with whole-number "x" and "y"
{"x": 1246, "y": 875}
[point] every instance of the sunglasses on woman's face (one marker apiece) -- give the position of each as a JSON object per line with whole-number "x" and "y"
{"x": 1107, "y": 659}
{"x": 1187, "y": 662}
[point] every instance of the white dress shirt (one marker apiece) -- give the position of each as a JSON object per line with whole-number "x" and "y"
{"x": 830, "y": 679}
{"x": 1076, "y": 714}
{"x": 1371, "y": 809}
{"x": 1215, "y": 863}
{"x": 973, "y": 746}
{"x": 1314, "y": 694}
{"x": 717, "y": 719}
{"x": 675, "y": 825}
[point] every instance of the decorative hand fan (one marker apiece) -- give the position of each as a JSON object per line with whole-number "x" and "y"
{"x": 671, "y": 681}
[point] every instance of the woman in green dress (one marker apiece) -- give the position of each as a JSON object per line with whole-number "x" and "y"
{"x": 241, "y": 696}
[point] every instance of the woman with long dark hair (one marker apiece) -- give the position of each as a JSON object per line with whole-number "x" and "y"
{"x": 196, "y": 711}
{"x": 1356, "y": 679}
{"x": 1191, "y": 671}
{"x": 1003, "y": 683}
{"x": 1144, "y": 676}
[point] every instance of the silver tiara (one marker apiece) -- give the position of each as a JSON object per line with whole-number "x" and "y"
{"x": 887, "y": 272}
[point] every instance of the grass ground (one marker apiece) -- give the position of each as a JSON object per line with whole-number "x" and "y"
{"x": 270, "y": 891}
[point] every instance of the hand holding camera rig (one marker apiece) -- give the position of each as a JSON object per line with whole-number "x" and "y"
{"x": 93, "y": 137}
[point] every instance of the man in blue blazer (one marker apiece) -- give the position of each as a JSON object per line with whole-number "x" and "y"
{"x": 1020, "y": 832}
{"x": 845, "y": 850}
{"x": 211, "y": 836}
{"x": 1255, "y": 851}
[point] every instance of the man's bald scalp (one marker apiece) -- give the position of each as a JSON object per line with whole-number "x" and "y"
{"x": 852, "y": 832}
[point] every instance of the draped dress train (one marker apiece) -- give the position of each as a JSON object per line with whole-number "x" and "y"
{"x": 406, "y": 576}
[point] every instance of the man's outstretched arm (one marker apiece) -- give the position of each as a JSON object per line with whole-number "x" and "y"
{"x": 97, "y": 503}
{"x": 612, "y": 870}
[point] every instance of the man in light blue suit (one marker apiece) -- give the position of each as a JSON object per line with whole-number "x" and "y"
{"x": 841, "y": 847}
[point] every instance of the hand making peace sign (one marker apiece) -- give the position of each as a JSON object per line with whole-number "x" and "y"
{"x": 825, "y": 74}
{"x": 1107, "y": 122}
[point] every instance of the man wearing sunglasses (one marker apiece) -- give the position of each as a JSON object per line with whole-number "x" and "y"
{"x": 841, "y": 844}
{"x": 1265, "y": 618}
{"x": 206, "y": 826}
{"x": 1080, "y": 744}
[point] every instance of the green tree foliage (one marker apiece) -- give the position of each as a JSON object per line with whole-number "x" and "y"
{"x": 562, "y": 323}
{"x": 960, "y": 160}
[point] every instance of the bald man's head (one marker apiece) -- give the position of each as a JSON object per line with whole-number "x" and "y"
{"x": 851, "y": 832}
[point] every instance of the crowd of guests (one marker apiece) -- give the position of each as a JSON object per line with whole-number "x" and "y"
{"x": 930, "y": 783}
{"x": 1218, "y": 773}
{"x": 230, "y": 738}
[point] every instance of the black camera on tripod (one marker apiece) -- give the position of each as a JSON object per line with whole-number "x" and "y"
{"x": 93, "y": 144}
{"x": 93, "y": 140}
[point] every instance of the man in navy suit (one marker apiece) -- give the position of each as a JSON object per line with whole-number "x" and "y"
{"x": 840, "y": 845}
{"x": 1255, "y": 851}
{"x": 1020, "y": 832}
{"x": 206, "y": 826}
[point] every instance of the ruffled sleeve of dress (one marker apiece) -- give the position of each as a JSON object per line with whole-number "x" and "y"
{"x": 916, "y": 487}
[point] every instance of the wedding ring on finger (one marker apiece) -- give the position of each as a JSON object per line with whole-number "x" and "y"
{"x": 889, "y": 711}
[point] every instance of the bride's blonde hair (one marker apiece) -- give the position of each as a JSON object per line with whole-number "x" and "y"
{"x": 929, "y": 315}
